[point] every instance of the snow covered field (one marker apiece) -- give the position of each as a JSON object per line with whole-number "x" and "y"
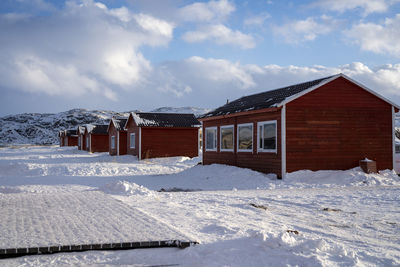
{"x": 240, "y": 217}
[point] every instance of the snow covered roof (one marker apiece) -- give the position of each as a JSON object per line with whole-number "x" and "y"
{"x": 81, "y": 129}
{"x": 97, "y": 128}
{"x": 280, "y": 97}
{"x": 70, "y": 132}
{"x": 119, "y": 123}
{"x": 150, "y": 119}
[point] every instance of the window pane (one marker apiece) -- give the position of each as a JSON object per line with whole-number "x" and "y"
{"x": 245, "y": 137}
{"x": 269, "y": 136}
{"x": 210, "y": 138}
{"x": 112, "y": 142}
{"x": 227, "y": 138}
{"x": 397, "y": 149}
{"x": 132, "y": 141}
{"x": 260, "y": 136}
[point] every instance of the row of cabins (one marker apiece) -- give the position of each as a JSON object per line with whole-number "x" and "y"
{"x": 325, "y": 124}
{"x": 145, "y": 135}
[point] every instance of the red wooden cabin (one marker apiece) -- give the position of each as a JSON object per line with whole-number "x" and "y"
{"x": 61, "y": 135}
{"x": 68, "y": 138}
{"x": 96, "y": 138}
{"x": 325, "y": 124}
{"x": 117, "y": 136}
{"x": 81, "y": 137}
{"x": 152, "y": 135}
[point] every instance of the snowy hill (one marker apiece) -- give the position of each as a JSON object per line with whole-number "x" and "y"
{"x": 42, "y": 128}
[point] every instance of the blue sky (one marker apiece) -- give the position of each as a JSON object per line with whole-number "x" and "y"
{"x": 143, "y": 54}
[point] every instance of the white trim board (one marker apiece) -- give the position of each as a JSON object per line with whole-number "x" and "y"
{"x": 393, "y": 138}
{"x": 252, "y": 137}
{"x": 140, "y": 144}
{"x": 283, "y": 141}
{"x": 233, "y": 137}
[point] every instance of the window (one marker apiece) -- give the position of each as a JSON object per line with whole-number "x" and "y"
{"x": 267, "y": 136}
{"x": 245, "y": 137}
{"x": 113, "y": 142}
{"x": 132, "y": 140}
{"x": 79, "y": 140}
{"x": 211, "y": 139}
{"x": 397, "y": 149}
{"x": 87, "y": 143}
{"x": 226, "y": 138}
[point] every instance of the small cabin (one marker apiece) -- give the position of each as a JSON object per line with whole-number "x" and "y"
{"x": 81, "y": 137}
{"x": 325, "y": 124}
{"x": 117, "y": 136}
{"x": 96, "y": 138}
{"x": 68, "y": 138}
{"x": 61, "y": 135}
{"x": 153, "y": 135}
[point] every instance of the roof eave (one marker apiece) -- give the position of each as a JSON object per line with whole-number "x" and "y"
{"x": 242, "y": 113}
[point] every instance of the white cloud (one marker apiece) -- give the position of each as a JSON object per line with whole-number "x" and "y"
{"x": 257, "y": 20}
{"x": 208, "y": 82}
{"x": 221, "y": 35}
{"x": 368, "y": 6}
{"x": 84, "y": 48}
{"x": 305, "y": 30}
{"x": 206, "y": 12}
{"x": 221, "y": 71}
{"x": 54, "y": 79}
{"x": 378, "y": 38}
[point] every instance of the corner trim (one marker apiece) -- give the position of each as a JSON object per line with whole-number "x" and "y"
{"x": 283, "y": 140}
{"x": 140, "y": 144}
{"x": 393, "y": 139}
{"x": 117, "y": 143}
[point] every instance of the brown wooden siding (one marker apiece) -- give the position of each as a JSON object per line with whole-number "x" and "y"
{"x": 266, "y": 162}
{"x": 335, "y": 126}
{"x": 169, "y": 142}
{"x": 112, "y": 132}
{"x": 123, "y": 142}
{"x": 85, "y": 144}
{"x": 99, "y": 143}
{"x": 132, "y": 128}
{"x": 72, "y": 140}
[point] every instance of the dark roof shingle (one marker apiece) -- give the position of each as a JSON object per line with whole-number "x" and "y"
{"x": 149, "y": 119}
{"x": 97, "y": 128}
{"x": 262, "y": 100}
{"x": 119, "y": 123}
{"x": 70, "y": 132}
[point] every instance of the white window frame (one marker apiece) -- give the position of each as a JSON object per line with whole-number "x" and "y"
{"x": 133, "y": 146}
{"x": 113, "y": 142}
{"x": 215, "y": 141}
{"x": 252, "y": 137}
{"x": 220, "y": 138}
{"x": 276, "y": 136}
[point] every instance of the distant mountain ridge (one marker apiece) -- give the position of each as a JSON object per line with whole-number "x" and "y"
{"x": 43, "y": 128}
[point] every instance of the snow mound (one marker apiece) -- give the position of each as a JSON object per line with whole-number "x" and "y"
{"x": 283, "y": 249}
{"x": 352, "y": 177}
{"x": 126, "y": 189}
